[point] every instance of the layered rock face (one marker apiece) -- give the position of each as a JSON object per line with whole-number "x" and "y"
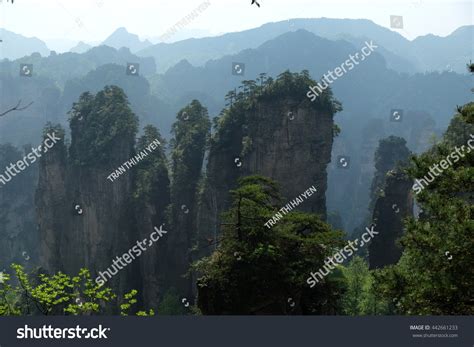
{"x": 86, "y": 219}
{"x": 390, "y": 210}
{"x": 274, "y": 132}
{"x": 50, "y": 201}
{"x": 18, "y": 230}
{"x": 291, "y": 145}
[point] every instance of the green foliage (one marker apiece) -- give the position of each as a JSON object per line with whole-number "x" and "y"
{"x": 129, "y": 300}
{"x": 98, "y": 123}
{"x": 150, "y": 313}
{"x": 257, "y": 270}
{"x": 435, "y": 274}
{"x": 58, "y": 294}
{"x": 57, "y": 129}
{"x": 391, "y": 154}
{"x": 357, "y": 275}
{"x": 171, "y": 304}
{"x": 457, "y": 177}
{"x": 458, "y": 132}
{"x": 191, "y": 131}
{"x": 361, "y": 296}
{"x": 55, "y": 294}
{"x": 8, "y": 298}
{"x": 250, "y": 96}
{"x": 467, "y": 112}
{"x": 152, "y": 181}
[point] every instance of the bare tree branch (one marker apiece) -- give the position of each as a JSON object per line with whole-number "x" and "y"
{"x": 16, "y": 108}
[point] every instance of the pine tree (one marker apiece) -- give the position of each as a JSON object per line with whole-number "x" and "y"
{"x": 261, "y": 270}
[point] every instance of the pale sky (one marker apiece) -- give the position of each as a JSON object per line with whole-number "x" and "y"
{"x": 61, "y": 23}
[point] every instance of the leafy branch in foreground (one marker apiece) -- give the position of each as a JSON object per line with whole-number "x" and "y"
{"x": 130, "y": 300}
{"x": 57, "y": 294}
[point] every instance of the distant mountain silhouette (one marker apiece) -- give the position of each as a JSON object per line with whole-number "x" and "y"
{"x": 81, "y": 47}
{"x": 15, "y": 46}
{"x": 424, "y": 54}
{"x": 66, "y": 66}
{"x": 122, "y": 38}
{"x": 446, "y": 53}
{"x": 401, "y": 54}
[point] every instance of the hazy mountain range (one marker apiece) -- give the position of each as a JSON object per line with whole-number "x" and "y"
{"x": 14, "y": 46}
{"x": 425, "y": 53}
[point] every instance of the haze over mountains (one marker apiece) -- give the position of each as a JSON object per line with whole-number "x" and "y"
{"x": 425, "y": 53}
{"x": 14, "y": 46}
{"x": 425, "y": 77}
{"x": 122, "y": 38}
{"x": 419, "y": 55}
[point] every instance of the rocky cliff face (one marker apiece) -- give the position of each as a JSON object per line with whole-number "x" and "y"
{"x": 151, "y": 199}
{"x": 274, "y": 131}
{"x": 292, "y": 145}
{"x": 85, "y": 220}
{"x": 18, "y": 230}
{"x": 86, "y": 217}
{"x": 191, "y": 131}
{"x": 50, "y": 201}
{"x": 391, "y": 156}
{"x": 391, "y": 208}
